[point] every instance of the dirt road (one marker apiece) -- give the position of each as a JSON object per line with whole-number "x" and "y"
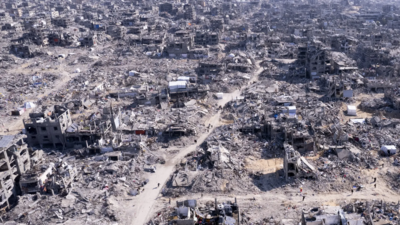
{"x": 288, "y": 201}
{"x": 17, "y": 125}
{"x": 369, "y": 193}
{"x": 146, "y": 200}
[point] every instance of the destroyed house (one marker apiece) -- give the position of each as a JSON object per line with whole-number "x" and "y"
{"x": 301, "y": 140}
{"x": 148, "y": 98}
{"x": 274, "y": 130}
{"x": 167, "y": 7}
{"x": 185, "y": 88}
{"x": 6, "y": 180}
{"x": 134, "y": 39}
{"x": 44, "y": 18}
{"x": 31, "y": 22}
{"x": 12, "y": 27}
{"x": 116, "y": 32}
{"x": 48, "y": 128}
{"x": 5, "y": 17}
{"x": 179, "y": 46}
{"x": 39, "y": 36}
{"x": 241, "y": 67}
{"x": 55, "y": 39}
{"x": 145, "y": 18}
{"x": 302, "y": 54}
{"x": 36, "y": 179}
{"x": 394, "y": 95}
{"x": 210, "y": 68}
{"x": 128, "y": 22}
{"x": 14, "y": 162}
{"x": 189, "y": 12}
{"x": 18, "y": 154}
{"x": 137, "y": 29}
{"x": 128, "y": 13}
{"x": 78, "y": 136}
{"x": 157, "y": 39}
{"x": 294, "y": 165}
{"x": 206, "y": 38}
{"x": 199, "y": 53}
{"x": 21, "y": 51}
{"x": 61, "y": 22}
{"x": 176, "y": 130}
{"x": 81, "y": 135}
{"x": 217, "y": 24}
{"x": 318, "y": 63}
{"x": 97, "y": 26}
{"x": 89, "y": 41}
{"x": 342, "y": 63}
{"x": 331, "y": 215}
{"x": 140, "y": 129}
{"x": 77, "y": 105}
{"x": 63, "y": 178}
{"x": 338, "y": 86}
{"x": 187, "y": 213}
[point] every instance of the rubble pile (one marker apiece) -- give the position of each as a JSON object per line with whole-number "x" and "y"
{"x": 99, "y": 100}
{"x": 93, "y": 181}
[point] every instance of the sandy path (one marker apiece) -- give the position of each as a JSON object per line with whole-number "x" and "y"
{"x": 381, "y": 192}
{"x": 144, "y": 203}
{"x": 17, "y": 125}
{"x": 277, "y": 201}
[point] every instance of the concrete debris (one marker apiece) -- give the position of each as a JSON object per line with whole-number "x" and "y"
{"x": 110, "y": 110}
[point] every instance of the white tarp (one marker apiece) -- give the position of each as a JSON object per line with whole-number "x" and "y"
{"x": 351, "y": 110}
{"x": 389, "y": 148}
{"x": 29, "y": 105}
{"x": 177, "y": 84}
{"x": 361, "y": 121}
{"x": 289, "y": 109}
{"x": 183, "y": 78}
{"x": 219, "y": 95}
{"x": 132, "y": 73}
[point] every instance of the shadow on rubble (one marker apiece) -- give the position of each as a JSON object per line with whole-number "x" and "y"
{"x": 165, "y": 140}
{"x": 268, "y": 182}
{"x": 21, "y": 51}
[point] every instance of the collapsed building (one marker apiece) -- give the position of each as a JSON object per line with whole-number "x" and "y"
{"x": 55, "y": 128}
{"x": 230, "y": 97}
{"x": 188, "y": 212}
{"x": 16, "y": 161}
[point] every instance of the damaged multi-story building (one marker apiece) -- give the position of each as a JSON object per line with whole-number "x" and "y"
{"x": 206, "y": 38}
{"x": 238, "y": 98}
{"x": 318, "y": 61}
{"x": 55, "y": 127}
{"x": 189, "y": 12}
{"x": 62, "y": 22}
{"x": 15, "y": 161}
{"x": 21, "y": 50}
{"x": 48, "y": 127}
{"x": 294, "y": 165}
{"x": 88, "y": 41}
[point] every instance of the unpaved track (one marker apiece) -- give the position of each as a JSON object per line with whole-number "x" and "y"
{"x": 369, "y": 193}
{"x": 17, "y": 125}
{"x": 144, "y": 203}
